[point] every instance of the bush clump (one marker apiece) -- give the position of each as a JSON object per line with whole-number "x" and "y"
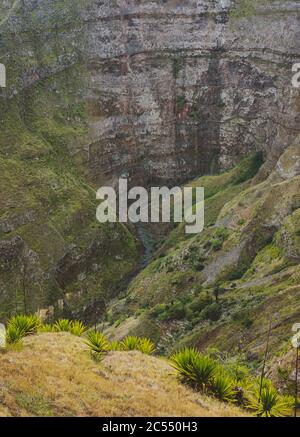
{"x": 20, "y": 326}
{"x": 269, "y": 403}
{"x": 212, "y": 312}
{"x": 230, "y": 383}
{"x": 62, "y": 325}
{"x": 98, "y": 344}
{"x": 143, "y": 345}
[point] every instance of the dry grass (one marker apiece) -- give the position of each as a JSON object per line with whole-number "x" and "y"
{"x": 53, "y": 375}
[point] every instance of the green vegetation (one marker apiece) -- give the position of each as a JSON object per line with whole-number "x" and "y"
{"x": 20, "y": 326}
{"x": 46, "y": 328}
{"x": 43, "y": 169}
{"x": 180, "y": 103}
{"x": 271, "y": 404}
{"x": 143, "y": 345}
{"x": 77, "y": 328}
{"x": 212, "y": 373}
{"x": 224, "y": 388}
{"x": 62, "y": 325}
{"x": 210, "y": 376}
{"x": 13, "y": 335}
{"x": 194, "y": 368}
{"x": 177, "y": 66}
{"x": 246, "y": 8}
{"x": 98, "y": 344}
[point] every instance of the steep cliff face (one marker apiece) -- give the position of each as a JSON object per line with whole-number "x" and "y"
{"x": 184, "y": 88}
{"x": 54, "y": 256}
{"x": 223, "y": 287}
{"x": 175, "y": 89}
{"x": 161, "y": 91}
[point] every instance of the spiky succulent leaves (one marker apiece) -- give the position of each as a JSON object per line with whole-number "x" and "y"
{"x": 271, "y": 404}
{"x": 146, "y": 346}
{"x": 194, "y": 368}
{"x": 182, "y": 360}
{"x": 130, "y": 343}
{"x": 97, "y": 343}
{"x": 26, "y": 325}
{"x": 202, "y": 371}
{"x": 223, "y": 387}
{"x": 115, "y": 346}
{"x": 13, "y": 335}
{"x": 77, "y": 328}
{"x": 46, "y": 328}
{"x": 62, "y": 325}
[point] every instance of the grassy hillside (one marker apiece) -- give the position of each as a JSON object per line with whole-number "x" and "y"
{"x": 220, "y": 289}
{"x": 54, "y": 375}
{"x": 54, "y": 256}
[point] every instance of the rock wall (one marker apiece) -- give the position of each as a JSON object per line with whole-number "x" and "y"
{"x": 184, "y": 88}
{"x": 161, "y": 91}
{"x": 174, "y": 88}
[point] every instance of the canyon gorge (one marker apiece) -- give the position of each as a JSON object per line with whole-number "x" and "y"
{"x": 161, "y": 92}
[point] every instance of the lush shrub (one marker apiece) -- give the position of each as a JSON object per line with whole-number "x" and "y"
{"x": 200, "y": 302}
{"x": 143, "y": 345}
{"x": 146, "y": 346}
{"x": 97, "y": 343}
{"x": 271, "y": 404}
{"x": 212, "y": 312}
{"x": 222, "y": 233}
{"x": 224, "y": 388}
{"x": 251, "y": 165}
{"x": 115, "y": 346}
{"x": 158, "y": 310}
{"x": 237, "y": 371}
{"x": 77, "y": 328}
{"x": 216, "y": 244}
{"x": 243, "y": 317}
{"x": 182, "y": 360}
{"x": 130, "y": 343}
{"x": 176, "y": 311}
{"x": 13, "y": 335}
{"x": 46, "y": 327}
{"x": 62, "y": 325}
{"x": 21, "y": 326}
{"x": 194, "y": 368}
{"x": 202, "y": 372}
{"x": 173, "y": 311}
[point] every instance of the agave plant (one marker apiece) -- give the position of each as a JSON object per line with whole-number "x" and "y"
{"x": 270, "y": 403}
{"x": 46, "y": 327}
{"x": 202, "y": 371}
{"x": 115, "y": 346}
{"x": 62, "y": 325}
{"x": 26, "y": 325}
{"x": 182, "y": 360}
{"x": 77, "y": 328}
{"x": 146, "y": 346}
{"x": 130, "y": 343}
{"x": 223, "y": 387}
{"x": 13, "y": 335}
{"x": 97, "y": 344}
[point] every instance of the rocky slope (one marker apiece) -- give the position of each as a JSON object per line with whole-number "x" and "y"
{"x": 186, "y": 88}
{"x": 55, "y": 257}
{"x": 159, "y": 91}
{"x": 223, "y": 288}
